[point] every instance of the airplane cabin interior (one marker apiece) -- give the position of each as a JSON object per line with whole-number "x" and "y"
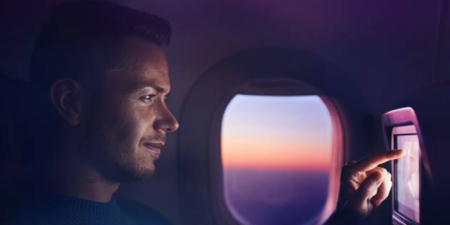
{"x": 273, "y": 100}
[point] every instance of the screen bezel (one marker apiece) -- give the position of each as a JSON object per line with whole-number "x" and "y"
{"x": 395, "y": 119}
{"x": 404, "y": 131}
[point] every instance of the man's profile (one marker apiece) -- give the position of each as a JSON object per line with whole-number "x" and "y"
{"x": 100, "y": 82}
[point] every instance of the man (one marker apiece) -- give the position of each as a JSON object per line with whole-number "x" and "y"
{"x": 101, "y": 80}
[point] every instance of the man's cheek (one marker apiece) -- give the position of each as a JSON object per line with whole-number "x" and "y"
{"x": 135, "y": 125}
{"x": 142, "y": 116}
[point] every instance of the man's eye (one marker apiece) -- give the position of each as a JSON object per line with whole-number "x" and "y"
{"x": 147, "y": 98}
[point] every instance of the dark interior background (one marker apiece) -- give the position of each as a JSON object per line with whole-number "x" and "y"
{"x": 390, "y": 48}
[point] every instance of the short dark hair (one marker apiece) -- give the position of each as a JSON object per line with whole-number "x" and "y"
{"x": 67, "y": 36}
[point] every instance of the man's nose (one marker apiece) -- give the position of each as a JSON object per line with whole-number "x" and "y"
{"x": 166, "y": 121}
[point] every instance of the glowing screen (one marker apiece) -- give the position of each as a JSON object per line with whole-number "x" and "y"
{"x": 407, "y": 182}
{"x": 276, "y": 154}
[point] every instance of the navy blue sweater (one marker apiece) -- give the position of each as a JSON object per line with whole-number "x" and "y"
{"x": 58, "y": 210}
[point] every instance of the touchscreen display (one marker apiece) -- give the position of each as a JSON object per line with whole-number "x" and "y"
{"x": 407, "y": 180}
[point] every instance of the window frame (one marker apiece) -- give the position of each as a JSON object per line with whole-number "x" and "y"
{"x": 221, "y": 210}
{"x": 197, "y": 191}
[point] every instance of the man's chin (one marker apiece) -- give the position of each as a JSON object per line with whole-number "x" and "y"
{"x": 144, "y": 173}
{"x": 135, "y": 174}
{"x": 147, "y": 174}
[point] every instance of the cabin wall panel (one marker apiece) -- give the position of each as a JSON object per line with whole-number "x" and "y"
{"x": 443, "y": 62}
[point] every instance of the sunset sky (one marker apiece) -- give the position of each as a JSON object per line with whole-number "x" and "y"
{"x": 276, "y": 132}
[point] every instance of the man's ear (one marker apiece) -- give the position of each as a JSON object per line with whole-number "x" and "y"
{"x": 67, "y": 100}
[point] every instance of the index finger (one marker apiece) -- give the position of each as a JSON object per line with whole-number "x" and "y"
{"x": 373, "y": 161}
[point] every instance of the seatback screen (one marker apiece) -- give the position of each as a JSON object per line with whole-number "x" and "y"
{"x": 407, "y": 177}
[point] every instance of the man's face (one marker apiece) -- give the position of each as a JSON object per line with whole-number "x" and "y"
{"x": 127, "y": 116}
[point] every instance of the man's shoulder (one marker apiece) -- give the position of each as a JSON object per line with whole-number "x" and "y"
{"x": 141, "y": 213}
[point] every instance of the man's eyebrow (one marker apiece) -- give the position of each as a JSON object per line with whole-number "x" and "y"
{"x": 158, "y": 88}
{"x": 161, "y": 90}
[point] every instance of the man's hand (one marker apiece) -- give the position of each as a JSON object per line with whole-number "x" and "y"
{"x": 364, "y": 185}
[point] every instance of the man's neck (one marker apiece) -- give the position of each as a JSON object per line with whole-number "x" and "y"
{"x": 67, "y": 177}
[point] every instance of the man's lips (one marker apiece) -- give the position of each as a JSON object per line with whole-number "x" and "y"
{"x": 154, "y": 146}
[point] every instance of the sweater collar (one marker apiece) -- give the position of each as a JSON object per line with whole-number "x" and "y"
{"x": 62, "y": 203}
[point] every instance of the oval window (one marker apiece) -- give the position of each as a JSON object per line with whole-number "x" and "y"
{"x": 276, "y": 156}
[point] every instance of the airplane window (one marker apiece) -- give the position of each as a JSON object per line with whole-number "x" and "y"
{"x": 276, "y": 153}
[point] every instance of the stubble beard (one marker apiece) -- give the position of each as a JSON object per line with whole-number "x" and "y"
{"x": 128, "y": 168}
{"x": 119, "y": 164}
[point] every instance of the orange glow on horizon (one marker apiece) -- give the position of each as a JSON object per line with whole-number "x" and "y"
{"x": 276, "y": 133}
{"x": 239, "y": 153}
{"x": 277, "y": 164}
